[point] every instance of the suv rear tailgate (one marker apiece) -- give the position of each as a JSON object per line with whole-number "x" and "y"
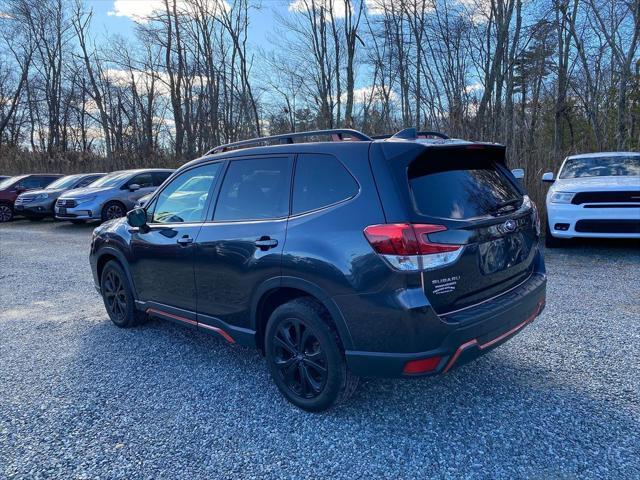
{"x": 466, "y": 188}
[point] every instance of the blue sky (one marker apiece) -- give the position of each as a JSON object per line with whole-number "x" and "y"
{"x": 113, "y": 17}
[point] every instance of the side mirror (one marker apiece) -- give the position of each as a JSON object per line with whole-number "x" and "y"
{"x": 137, "y": 217}
{"x": 548, "y": 177}
{"x": 518, "y": 173}
{"x": 134, "y": 186}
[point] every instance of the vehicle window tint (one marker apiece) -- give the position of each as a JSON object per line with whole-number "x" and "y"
{"x": 255, "y": 189}
{"x": 87, "y": 181}
{"x": 185, "y": 198}
{"x": 160, "y": 177}
{"x": 464, "y": 187}
{"x": 320, "y": 180}
{"x": 142, "y": 179}
{"x": 35, "y": 182}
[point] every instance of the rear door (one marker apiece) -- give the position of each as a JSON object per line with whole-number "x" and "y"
{"x": 468, "y": 191}
{"x": 241, "y": 246}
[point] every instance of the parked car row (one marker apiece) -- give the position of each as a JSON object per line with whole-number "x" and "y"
{"x": 77, "y": 198}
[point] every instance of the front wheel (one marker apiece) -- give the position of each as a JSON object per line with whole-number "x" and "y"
{"x": 113, "y": 210}
{"x": 304, "y": 356}
{"x": 118, "y": 296}
{"x": 6, "y": 213}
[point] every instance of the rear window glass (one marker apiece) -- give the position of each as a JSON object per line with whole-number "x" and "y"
{"x": 320, "y": 180}
{"x": 461, "y": 188}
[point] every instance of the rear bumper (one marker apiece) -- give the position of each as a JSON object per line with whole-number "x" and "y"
{"x": 472, "y": 332}
{"x": 592, "y": 221}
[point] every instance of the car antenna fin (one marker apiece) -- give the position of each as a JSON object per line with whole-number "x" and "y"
{"x": 410, "y": 133}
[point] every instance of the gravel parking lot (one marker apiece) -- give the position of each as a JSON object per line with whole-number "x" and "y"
{"x": 80, "y": 398}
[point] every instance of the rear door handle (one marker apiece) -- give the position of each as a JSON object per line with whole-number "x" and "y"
{"x": 185, "y": 240}
{"x": 265, "y": 243}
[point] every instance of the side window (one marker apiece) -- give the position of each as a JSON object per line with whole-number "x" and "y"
{"x": 185, "y": 198}
{"x": 86, "y": 181}
{"x": 255, "y": 189}
{"x": 320, "y": 180}
{"x": 142, "y": 179}
{"x": 35, "y": 182}
{"x": 160, "y": 177}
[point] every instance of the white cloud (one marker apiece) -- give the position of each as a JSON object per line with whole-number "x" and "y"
{"x": 474, "y": 87}
{"x": 138, "y": 10}
{"x": 142, "y": 10}
{"x": 5, "y": 15}
{"x": 370, "y": 93}
{"x": 337, "y": 6}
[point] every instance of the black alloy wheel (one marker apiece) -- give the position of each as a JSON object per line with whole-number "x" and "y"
{"x": 299, "y": 358}
{"x": 118, "y": 297}
{"x": 305, "y": 357}
{"x": 115, "y": 296}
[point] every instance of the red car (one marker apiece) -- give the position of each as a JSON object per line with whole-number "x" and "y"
{"x": 11, "y": 187}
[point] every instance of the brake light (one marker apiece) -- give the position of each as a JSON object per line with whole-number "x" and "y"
{"x": 406, "y": 246}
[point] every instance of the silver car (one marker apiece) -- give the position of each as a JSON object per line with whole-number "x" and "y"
{"x": 38, "y": 204}
{"x": 110, "y": 197}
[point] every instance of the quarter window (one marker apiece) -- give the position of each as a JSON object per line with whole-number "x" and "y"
{"x": 320, "y": 180}
{"x": 255, "y": 189}
{"x": 185, "y": 198}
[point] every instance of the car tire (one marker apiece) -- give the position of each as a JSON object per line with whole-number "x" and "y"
{"x": 113, "y": 210}
{"x": 305, "y": 358}
{"x": 118, "y": 298}
{"x": 6, "y": 212}
{"x": 549, "y": 240}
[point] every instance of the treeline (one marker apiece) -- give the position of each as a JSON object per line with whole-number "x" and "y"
{"x": 546, "y": 78}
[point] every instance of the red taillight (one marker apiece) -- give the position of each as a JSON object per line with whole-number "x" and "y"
{"x": 407, "y": 246}
{"x": 405, "y": 239}
{"x": 421, "y": 366}
{"x": 392, "y": 239}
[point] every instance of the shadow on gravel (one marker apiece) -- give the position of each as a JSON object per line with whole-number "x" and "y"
{"x": 187, "y": 390}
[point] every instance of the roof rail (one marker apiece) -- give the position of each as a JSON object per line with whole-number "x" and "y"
{"x": 412, "y": 133}
{"x": 336, "y": 134}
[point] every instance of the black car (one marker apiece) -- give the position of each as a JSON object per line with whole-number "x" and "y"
{"x": 39, "y": 204}
{"x": 400, "y": 257}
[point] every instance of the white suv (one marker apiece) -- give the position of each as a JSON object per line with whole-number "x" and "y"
{"x": 595, "y": 195}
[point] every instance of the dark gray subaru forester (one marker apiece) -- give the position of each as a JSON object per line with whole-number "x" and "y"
{"x": 399, "y": 257}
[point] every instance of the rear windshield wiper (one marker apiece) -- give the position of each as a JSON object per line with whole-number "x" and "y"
{"x": 507, "y": 203}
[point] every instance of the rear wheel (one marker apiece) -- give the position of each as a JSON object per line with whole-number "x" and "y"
{"x": 6, "y": 212}
{"x": 113, "y": 210}
{"x": 118, "y": 296}
{"x": 305, "y": 358}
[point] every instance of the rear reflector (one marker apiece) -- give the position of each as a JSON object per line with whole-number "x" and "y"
{"x": 421, "y": 366}
{"x": 406, "y": 246}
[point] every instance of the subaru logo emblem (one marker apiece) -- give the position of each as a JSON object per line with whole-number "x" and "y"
{"x": 510, "y": 226}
